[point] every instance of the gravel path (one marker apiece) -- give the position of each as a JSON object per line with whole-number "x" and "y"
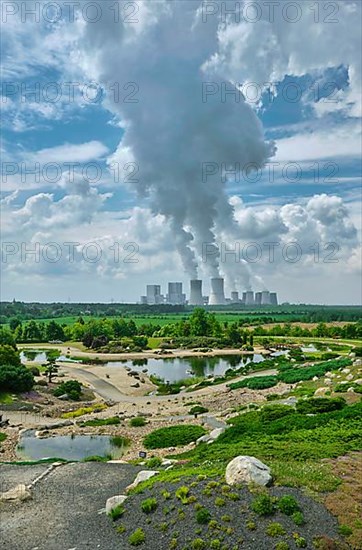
{"x": 65, "y": 511}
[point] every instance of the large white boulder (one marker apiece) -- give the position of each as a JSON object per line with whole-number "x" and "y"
{"x": 113, "y": 502}
{"x": 247, "y": 469}
{"x": 144, "y": 475}
{"x": 211, "y": 437}
{"x": 20, "y": 492}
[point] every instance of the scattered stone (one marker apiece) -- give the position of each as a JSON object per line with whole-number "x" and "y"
{"x": 136, "y": 385}
{"x": 349, "y": 377}
{"x": 358, "y": 381}
{"x": 315, "y": 378}
{"x": 346, "y": 371}
{"x": 328, "y": 381}
{"x": 20, "y": 492}
{"x": 350, "y": 390}
{"x": 247, "y": 469}
{"x": 357, "y": 363}
{"x": 113, "y": 502}
{"x": 142, "y": 476}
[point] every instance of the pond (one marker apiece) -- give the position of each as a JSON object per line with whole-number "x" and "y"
{"x": 68, "y": 447}
{"x": 38, "y": 356}
{"x": 179, "y": 368}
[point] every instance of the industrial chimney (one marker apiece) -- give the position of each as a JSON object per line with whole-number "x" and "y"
{"x": 217, "y": 296}
{"x": 196, "y": 293}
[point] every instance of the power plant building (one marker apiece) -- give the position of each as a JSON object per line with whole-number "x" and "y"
{"x": 154, "y": 295}
{"x": 217, "y": 295}
{"x": 273, "y": 299}
{"x": 174, "y": 295}
{"x": 257, "y": 298}
{"x": 249, "y": 298}
{"x": 196, "y": 298}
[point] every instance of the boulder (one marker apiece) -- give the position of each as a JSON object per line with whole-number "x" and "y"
{"x": 349, "y": 377}
{"x": 346, "y": 371}
{"x": 142, "y": 476}
{"x": 211, "y": 437}
{"x": 357, "y": 363}
{"x": 358, "y": 381}
{"x": 113, "y": 502}
{"x": 247, "y": 469}
{"x": 20, "y": 492}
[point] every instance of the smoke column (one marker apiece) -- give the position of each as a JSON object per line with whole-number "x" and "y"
{"x": 170, "y": 132}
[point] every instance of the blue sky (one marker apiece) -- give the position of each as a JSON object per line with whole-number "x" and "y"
{"x": 317, "y": 134}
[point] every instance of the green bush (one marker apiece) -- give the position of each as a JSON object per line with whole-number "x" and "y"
{"x": 198, "y": 544}
{"x": 342, "y": 388}
{"x": 282, "y": 546}
{"x": 275, "y": 530}
{"x": 153, "y": 462}
{"x": 15, "y": 379}
{"x": 300, "y": 542}
{"x": 345, "y": 530}
{"x": 288, "y": 505}
{"x": 273, "y": 412}
{"x": 198, "y": 409}
{"x": 255, "y": 383}
{"x": 137, "y": 538}
{"x": 293, "y": 375}
{"x": 138, "y": 422}
{"x": 72, "y": 388}
{"x": 203, "y": 516}
{"x": 9, "y": 356}
{"x": 113, "y": 420}
{"x": 182, "y": 494}
{"x": 320, "y": 405}
{"x": 298, "y": 518}
{"x": 173, "y": 436}
{"x": 263, "y": 505}
{"x": 149, "y": 505}
{"x": 117, "y": 512}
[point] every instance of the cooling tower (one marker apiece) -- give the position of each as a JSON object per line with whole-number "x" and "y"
{"x": 273, "y": 299}
{"x": 249, "y": 298}
{"x": 217, "y": 296}
{"x": 234, "y": 296}
{"x": 265, "y": 298}
{"x": 175, "y": 295}
{"x": 257, "y": 298}
{"x": 196, "y": 293}
{"x": 243, "y": 299}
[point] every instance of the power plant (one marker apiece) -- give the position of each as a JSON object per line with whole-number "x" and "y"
{"x": 196, "y": 298}
{"x": 175, "y": 295}
{"x": 217, "y": 296}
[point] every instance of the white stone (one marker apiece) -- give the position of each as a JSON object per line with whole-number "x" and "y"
{"x": 358, "y": 381}
{"x": 346, "y": 371}
{"x": 315, "y": 378}
{"x": 20, "y": 492}
{"x": 328, "y": 381}
{"x": 144, "y": 475}
{"x": 350, "y": 390}
{"x": 357, "y": 363}
{"x": 113, "y": 502}
{"x": 247, "y": 469}
{"x": 349, "y": 377}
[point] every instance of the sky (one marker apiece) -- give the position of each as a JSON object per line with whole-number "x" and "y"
{"x": 162, "y": 140}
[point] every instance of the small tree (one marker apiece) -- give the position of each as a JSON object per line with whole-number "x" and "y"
{"x": 51, "y": 369}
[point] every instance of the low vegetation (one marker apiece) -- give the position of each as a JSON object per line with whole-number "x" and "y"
{"x": 173, "y": 436}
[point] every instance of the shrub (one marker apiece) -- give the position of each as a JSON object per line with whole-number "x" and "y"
{"x": 153, "y": 462}
{"x": 300, "y": 542}
{"x": 255, "y": 383}
{"x": 173, "y": 436}
{"x": 198, "y": 544}
{"x": 35, "y": 371}
{"x": 138, "y": 422}
{"x": 342, "y": 388}
{"x": 166, "y": 495}
{"x": 263, "y": 505}
{"x": 298, "y": 518}
{"x": 282, "y": 546}
{"x": 72, "y": 388}
{"x": 226, "y": 518}
{"x": 288, "y": 505}
{"x": 137, "y": 538}
{"x": 275, "y": 530}
{"x": 182, "y": 494}
{"x": 251, "y": 525}
{"x": 273, "y": 412}
{"x": 114, "y": 420}
{"x": 203, "y": 516}
{"x": 117, "y": 512}
{"x": 345, "y": 530}
{"x": 15, "y": 379}
{"x": 9, "y": 356}
{"x": 119, "y": 441}
{"x": 215, "y": 544}
{"x": 198, "y": 409}
{"x": 320, "y": 405}
{"x": 149, "y": 505}
{"x": 219, "y": 501}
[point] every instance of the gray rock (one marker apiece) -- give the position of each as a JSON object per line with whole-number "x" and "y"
{"x": 19, "y": 493}
{"x": 142, "y": 476}
{"x": 247, "y": 469}
{"x": 113, "y": 502}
